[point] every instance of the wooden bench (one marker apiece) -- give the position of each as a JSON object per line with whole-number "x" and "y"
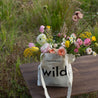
{"x": 85, "y": 79}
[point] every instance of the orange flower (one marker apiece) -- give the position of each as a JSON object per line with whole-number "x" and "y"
{"x": 61, "y": 51}
{"x": 51, "y": 51}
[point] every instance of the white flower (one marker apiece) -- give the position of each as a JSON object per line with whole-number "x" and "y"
{"x": 63, "y": 44}
{"x": 41, "y": 39}
{"x": 71, "y": 39}
{"x": 73, "y": 35}
{"x": 63, "y": 39}
{"x": 55, "y": 45}
{"x": 94, "y": 53}
{"x": 89, "y": 50}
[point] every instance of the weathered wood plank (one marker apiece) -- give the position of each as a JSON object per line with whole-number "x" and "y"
{"x": 85, "y": 70}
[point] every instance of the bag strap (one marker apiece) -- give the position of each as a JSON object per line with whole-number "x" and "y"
{"x": 43, "y": 83}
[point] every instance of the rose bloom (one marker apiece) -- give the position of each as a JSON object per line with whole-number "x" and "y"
{"x": 76, "y": 50}
{"x": 75, "y": 18}
{"x": 79, "y": 14}
{"x": 45, "y": 48}
{"x": 31, "y": 45}
{"x": 42, "y": 28}
{"x": 89, "y": 50}
{"x": 87, "y": 41}
{"x": 79, "y": 41}
{"x": 51, "y": 51}
{"x": 61, "y": 51}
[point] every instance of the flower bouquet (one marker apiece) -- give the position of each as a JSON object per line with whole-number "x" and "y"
{"x": 57, "y": 52}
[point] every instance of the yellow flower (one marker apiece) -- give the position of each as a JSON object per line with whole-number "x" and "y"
{"x": 28, "y": 52}
{"x": 48, "y": 27}
{"x": 86, "y": 35}
{"x": 34, "y": 49}
{"x": 93, "y": 38}
{"x": 67, "y": 43}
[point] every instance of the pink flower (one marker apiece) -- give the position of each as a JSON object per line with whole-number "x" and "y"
{"x": 79, "y": 14}
{"x": 87, "y": 41}
{"x": 68, "y": 37}
{"x": 42, "y": 28}
{"x": 75, "y": 18}
{"x": 31, "y": 45}
{"x": 61, "y": 51}
{"x": 76, "y": 50}
{"x": 79, "y": 41}
{"x": 77, "y": 44}
{"x": 59, "y": 34}
{"x": 64, "y": 36}
{"x": 45, "y": 48}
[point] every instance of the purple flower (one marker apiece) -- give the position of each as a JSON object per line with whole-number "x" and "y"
{"x": 31, "y": 45}
{"x": 42, "y": 27}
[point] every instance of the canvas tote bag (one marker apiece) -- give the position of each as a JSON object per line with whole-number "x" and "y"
{"x": 55, "y": 70}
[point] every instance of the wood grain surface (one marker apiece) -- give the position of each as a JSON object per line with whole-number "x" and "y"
{"x": 85, "y": 79}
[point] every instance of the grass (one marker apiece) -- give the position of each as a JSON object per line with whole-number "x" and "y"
{"x": 19, "y": 23}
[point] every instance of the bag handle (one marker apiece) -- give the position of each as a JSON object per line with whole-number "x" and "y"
{"x": 43, "y": 83}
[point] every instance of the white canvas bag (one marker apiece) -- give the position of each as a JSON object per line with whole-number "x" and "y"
{"x": 55, "y": 70}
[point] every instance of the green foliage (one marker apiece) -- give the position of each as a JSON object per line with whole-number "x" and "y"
{"x": 19, "y": 23}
